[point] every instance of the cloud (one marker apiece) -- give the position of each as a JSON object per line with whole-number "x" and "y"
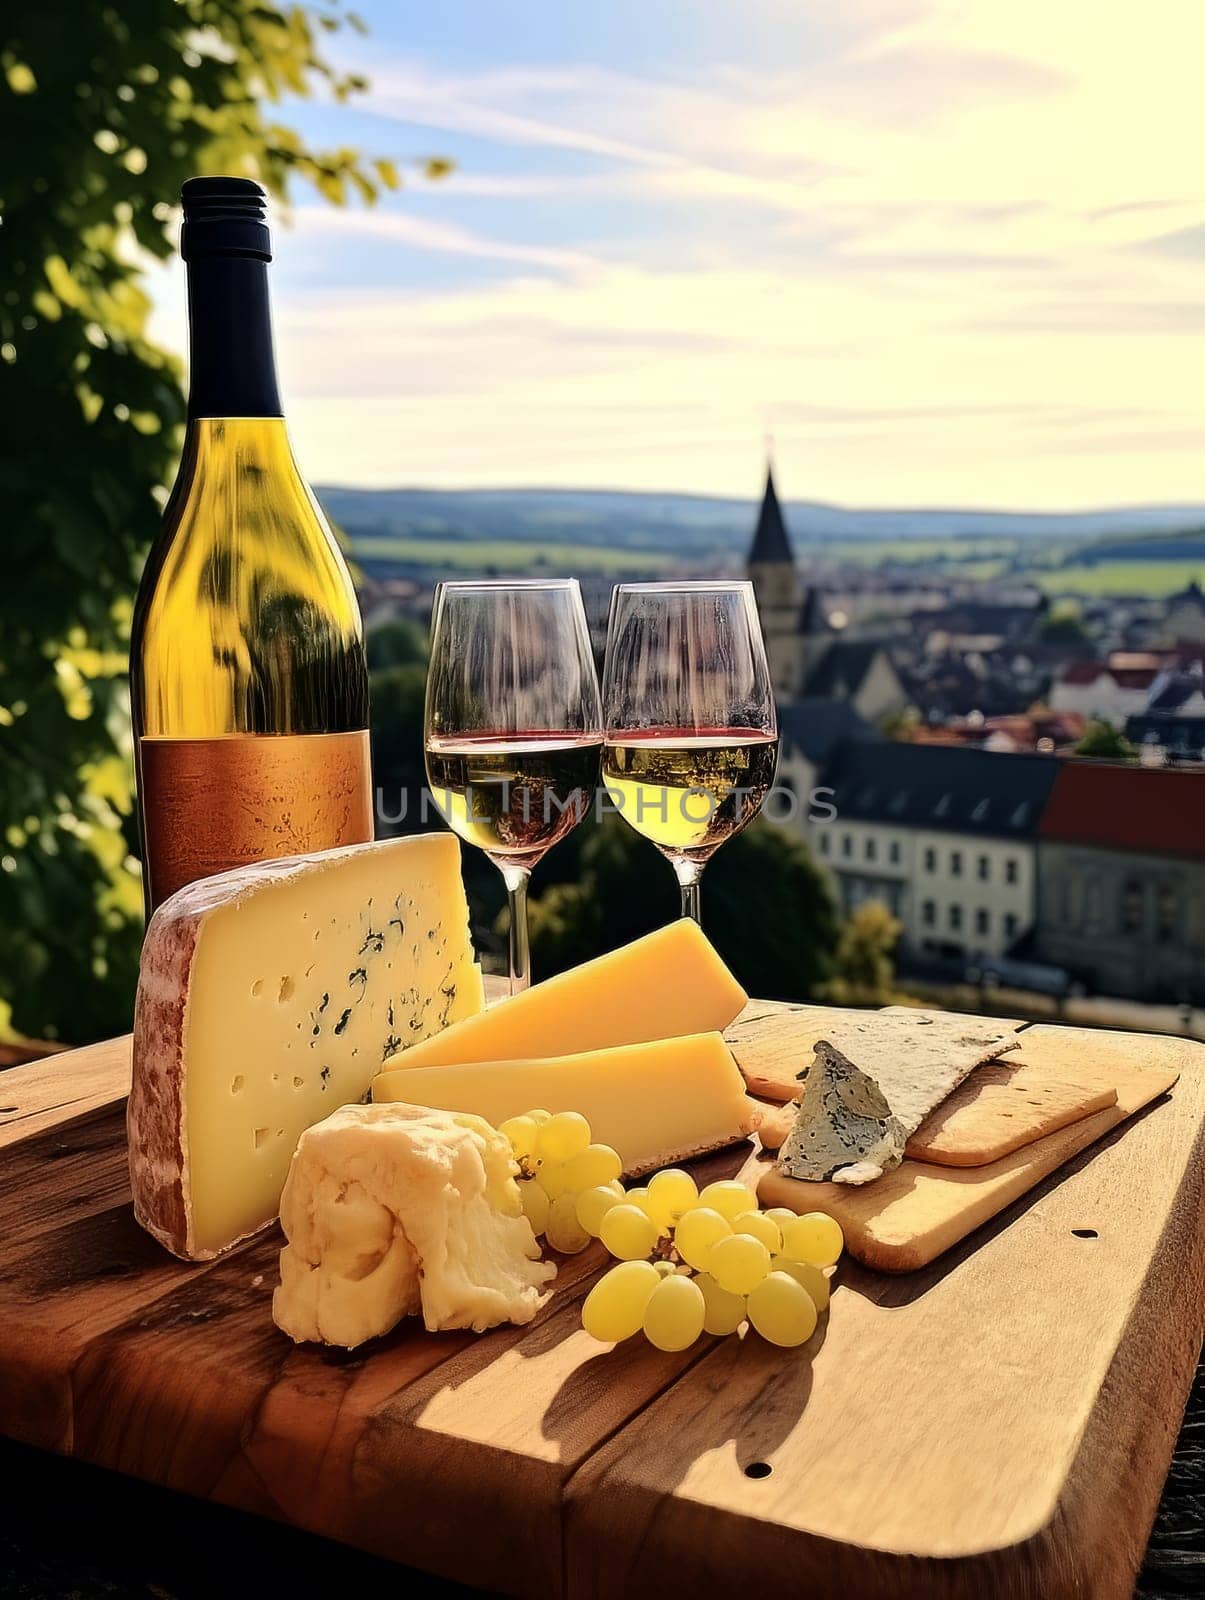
{"x": 947, "y": 249}
{"x": 1188, "y": 243}
{"x": 419, "y": 233}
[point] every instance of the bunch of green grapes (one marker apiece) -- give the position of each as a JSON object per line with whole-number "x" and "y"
{"x": 558, "y": 1168}
{"x": 693, "y": 1263}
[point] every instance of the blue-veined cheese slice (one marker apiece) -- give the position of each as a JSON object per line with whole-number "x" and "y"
{"x": 269, "y": 996}
{"x": 873, "y": 1080}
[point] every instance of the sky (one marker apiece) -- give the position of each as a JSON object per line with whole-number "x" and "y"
{"x": 944, "y": 252}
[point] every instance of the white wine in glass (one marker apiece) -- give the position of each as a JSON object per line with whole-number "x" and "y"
{"x": 513, "y": 726}
{"x": 691, "y": 732}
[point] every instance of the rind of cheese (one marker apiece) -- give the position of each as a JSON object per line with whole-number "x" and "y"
{"x": 667, "y": 984}
{"x": 392, "y": 1210}
{"x": 871, "y": 1085}
{"x": 654, "y": 1103}
{"x": 269, "y": 995}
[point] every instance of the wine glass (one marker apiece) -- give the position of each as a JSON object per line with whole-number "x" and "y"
{"x": 691, "y": 732}
{"x": 512, "y": 726}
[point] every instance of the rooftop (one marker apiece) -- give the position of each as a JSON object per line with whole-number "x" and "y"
{"x": 949, "y": 787}
{"x": 842, "y": 669}
{"x": 816, "y": 725}
{"x": 1086, "y": 673}
{"x": 1192, "y": 596}
{"x": 1156, "y": 811}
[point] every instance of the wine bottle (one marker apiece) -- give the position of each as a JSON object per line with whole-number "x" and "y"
{"x": 249, "y": 685}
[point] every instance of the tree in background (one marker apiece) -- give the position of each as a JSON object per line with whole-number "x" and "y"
{"x": 902, "y": 726}
{"x": 865, "y": 958}
{"x": 102, "y": 117}
{"x": 1063, "y": 625}
{"x": 1106, "y": 743}
{"x": 766, "y": 906}
{"x": 400, "y": 642}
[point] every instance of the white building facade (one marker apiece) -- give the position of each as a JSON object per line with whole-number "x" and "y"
{"x": 945, "y": 837}
{"x": 954, "y": 894}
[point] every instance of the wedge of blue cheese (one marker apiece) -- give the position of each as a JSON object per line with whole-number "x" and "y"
{"x": 872, "y": 1081}
{"x": 268, "y": 996}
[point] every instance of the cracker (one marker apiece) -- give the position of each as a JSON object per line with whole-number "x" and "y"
{"x": 1002, "y": 1106}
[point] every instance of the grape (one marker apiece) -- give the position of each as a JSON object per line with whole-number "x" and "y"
{"x": 639, "y": 1197}
{"x": 614, "y": 1308}
{"x": 564, "y": 1232}
{"x": 696, "y": 1233}
{"x": 552, "y": 1178}
{"x": 521, "y": 1131}
{"x": 728, "y": 1197}
{"x": 535, "y": 1205}
{"x": 627, "y": 1232}
{"x": 813, "y": 1237}
{"x": 664, "y": 1269}
{"x": 596, "y": 1164}
{"x": 564, "y": 1136}
{"x": 782, "y": 1311}
{"x": 780, "y": 1214}
{"x": 722, "y": 1312}
{"x": 670, "y": 1193}
{"x": 761, "y": 1227}
{"x": 738, "y": 1263}
{"x": 540, "y": 1116}
{"x": 803, "y": 1272}
{"x": 673, "y": 1316}
{"x": 593, "y": 1205}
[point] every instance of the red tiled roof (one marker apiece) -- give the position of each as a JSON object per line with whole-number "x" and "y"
{"x": 1087, "y": 672}
{"x": 1160, "y": 811}
{"x": 1134, "y": 661}
{"x": 1081, "y": 672}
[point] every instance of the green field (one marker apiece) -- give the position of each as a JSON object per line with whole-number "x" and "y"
{"x": 504, "y": 555}
{"x": 1153, "y": 578}
{"x": 963, "y": 553}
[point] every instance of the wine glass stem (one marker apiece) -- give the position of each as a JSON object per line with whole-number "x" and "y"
{"x": 688, "y": 874}
{"x": 518, "y": 948}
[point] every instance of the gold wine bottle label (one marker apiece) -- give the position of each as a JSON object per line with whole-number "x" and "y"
{"x": 212, "y": 804}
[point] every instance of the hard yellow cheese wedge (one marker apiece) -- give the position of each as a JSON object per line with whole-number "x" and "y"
{"x": 656, "y": 1103}
{"x": 667, "y": 984}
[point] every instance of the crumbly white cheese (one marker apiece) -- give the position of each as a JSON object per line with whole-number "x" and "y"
{"x": 872, "y": 1083}
{"x": 394, "y": 1209}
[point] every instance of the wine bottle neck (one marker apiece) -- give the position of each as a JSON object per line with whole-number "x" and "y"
{"x": 231, "y": 360}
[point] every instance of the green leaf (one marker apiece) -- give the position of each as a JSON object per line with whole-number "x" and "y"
{"x": 89, "y": 181}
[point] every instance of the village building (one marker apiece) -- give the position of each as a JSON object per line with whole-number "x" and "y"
{"x": 944, "y": 836}
{"x": 810, "y": 658}
{"x": 1121, "y": 880}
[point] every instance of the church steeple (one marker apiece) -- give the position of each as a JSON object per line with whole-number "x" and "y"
{"x": 771, "y": 566}
{"x": 770, "y": 542}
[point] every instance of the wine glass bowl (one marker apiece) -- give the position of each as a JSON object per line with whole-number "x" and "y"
{"x": 691, "y": 732}
{"x": 512, "y": 725}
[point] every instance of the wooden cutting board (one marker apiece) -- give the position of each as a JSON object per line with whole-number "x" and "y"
{"x": 995, "y": 1425}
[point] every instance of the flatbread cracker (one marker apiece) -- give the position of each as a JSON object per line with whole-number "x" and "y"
{"x": 1002, "y": 1106}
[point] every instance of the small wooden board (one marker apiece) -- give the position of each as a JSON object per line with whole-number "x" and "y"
{"x": 918, "y": 1210}
{"x": 994, "y": 1427}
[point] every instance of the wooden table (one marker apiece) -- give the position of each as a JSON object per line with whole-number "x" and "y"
{"x": 999, "y": 1424}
